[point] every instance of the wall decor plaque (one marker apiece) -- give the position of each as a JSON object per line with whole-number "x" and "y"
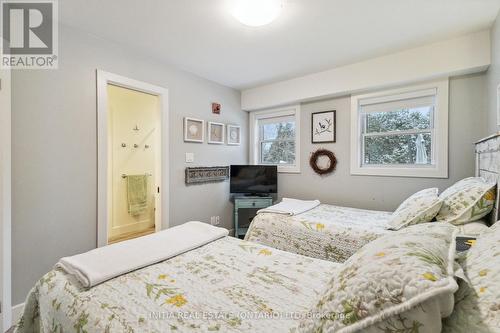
{"x": 206, "y": 174}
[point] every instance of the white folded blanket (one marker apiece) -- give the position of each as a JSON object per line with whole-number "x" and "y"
{"x": 104, "y": 263}
{"x": 291, "y": 207}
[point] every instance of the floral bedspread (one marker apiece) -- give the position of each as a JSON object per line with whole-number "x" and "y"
{"x": 326, "y": 232}
{"x": 228, "y": 285}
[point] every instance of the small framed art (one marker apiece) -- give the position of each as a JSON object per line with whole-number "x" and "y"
{"x": 194, "y": 130}
{"x": 323, "y": 127}
{"x": 216, "y": 108}
{"x": 215, "y": 133}
{"x": 233, "y": 135}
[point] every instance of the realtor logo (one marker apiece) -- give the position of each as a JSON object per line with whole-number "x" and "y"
{"x": 29, "y": 34}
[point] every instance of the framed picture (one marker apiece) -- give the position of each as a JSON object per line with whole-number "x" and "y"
{"x": 215, "y": 133}
{"x": 233, "y": 135}
{"x": 216, "y": 108}
{"x": 323, "y": 127}
{"x": 498, "y": 105}
{"x": 194, "y": 130}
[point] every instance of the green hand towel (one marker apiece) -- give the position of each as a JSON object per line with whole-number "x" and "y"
{"x": 137, "y": 195}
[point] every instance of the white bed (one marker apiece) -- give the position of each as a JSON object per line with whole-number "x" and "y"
{"x": 227, "y": 285}
{"x": 326, "y": 232}
{"x": 335, "y": 233}
{"x": 230, "y": 285}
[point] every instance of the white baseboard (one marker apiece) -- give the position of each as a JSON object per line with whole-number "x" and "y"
{"x": 17, "y": 311}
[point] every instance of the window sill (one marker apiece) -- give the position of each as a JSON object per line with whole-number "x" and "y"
{"x": 288, "y": 169}
{"x": 422, "y": 172}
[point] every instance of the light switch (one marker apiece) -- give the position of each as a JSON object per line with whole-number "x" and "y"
{"x": 189, "y": 157}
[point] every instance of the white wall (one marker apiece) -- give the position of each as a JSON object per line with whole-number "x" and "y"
{"x": 54, "y": 150}
{"x": 466, "y": 125}
{"x": 5, "y": 199}
{"x": 493, "y": 78}
{"x": 457, "y": 56}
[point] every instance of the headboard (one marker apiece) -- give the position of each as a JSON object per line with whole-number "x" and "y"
{"x": 488, "y": 166}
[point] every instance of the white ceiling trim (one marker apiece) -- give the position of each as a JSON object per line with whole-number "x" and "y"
{"x": 462, "y": 55}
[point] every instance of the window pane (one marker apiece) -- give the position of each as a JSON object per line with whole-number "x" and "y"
{"x": 276, "y": 131}
{"x": 399, "y": 120}
{"x": 278, "y": 152}
{"x": 398, "y": 149}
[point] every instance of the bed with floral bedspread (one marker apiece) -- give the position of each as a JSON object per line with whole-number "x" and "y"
{"x": 326, "y": 232}
{"x": 228, "y": 285}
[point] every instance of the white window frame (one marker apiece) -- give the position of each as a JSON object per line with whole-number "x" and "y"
{"x": 255, "y": 116}
{"x": 439, "y": 163}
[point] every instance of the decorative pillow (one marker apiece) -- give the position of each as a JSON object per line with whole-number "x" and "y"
{"x": 401, "y": 282}
{"x": 473, "y": 229}
{"x": 477, "y": 302}
{"x": 467, "y": 200}
{"x": 421, "y": 207}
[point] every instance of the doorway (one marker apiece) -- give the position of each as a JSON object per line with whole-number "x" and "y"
{"x": 131, "y": 147}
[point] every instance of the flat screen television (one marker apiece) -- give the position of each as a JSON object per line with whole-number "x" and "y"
{"x": 254, "y": 179}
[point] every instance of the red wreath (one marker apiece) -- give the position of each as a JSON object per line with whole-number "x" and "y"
{"x": 313, "y": 161}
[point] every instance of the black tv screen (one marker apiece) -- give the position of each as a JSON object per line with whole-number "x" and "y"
{"x": 254, "y": 179}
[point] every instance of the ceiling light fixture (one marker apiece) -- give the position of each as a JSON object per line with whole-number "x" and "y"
{"x": 256, "y": 13}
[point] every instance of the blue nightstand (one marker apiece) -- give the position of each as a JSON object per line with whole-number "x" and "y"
{"x": 248, "y": 203}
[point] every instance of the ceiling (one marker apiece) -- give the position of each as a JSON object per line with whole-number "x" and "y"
{"x": 201, "y": 36}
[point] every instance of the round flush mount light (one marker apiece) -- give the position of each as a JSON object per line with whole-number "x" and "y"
{"x": 256, "y": 13}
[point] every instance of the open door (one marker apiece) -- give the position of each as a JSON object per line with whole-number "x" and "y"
{"x": 134, "y": 163}
{"x": 5, "y": 201}
{"x": 132, "y": 145}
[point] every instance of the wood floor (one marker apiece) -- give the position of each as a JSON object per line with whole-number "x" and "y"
{"x": 131, "y": 235}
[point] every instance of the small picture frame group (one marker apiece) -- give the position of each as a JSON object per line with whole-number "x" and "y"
{"x": 324, "y": 127}
{"x": 194, "y": 131}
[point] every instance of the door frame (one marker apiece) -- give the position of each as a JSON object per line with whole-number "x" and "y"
{"x": 103, "y": 169}
{"x": 5, "y": 200}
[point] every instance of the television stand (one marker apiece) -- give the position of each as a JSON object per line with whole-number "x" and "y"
{"x": 256, "y": 195}
{"x": 248, "y": 202}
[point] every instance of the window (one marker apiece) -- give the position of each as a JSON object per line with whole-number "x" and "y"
{"x": 277, "y": 140}
{"x": 275, "y": 134}
{"x": 401, "y": 132}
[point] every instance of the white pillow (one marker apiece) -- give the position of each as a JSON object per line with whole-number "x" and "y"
{"x": 477, "y": 302}
{"x": 467, "y": 200}
{"x": 405, "y": 278}
{"x": 421, "y": 207}
{"x": 473, "y": 228}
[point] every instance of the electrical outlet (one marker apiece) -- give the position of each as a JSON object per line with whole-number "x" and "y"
{"x": 217, "y": 220}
